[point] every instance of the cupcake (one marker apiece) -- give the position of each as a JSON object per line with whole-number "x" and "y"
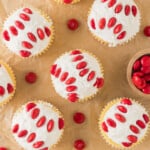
{"x": 114, "y": 21}
{"x": 77, "y": 75}
{"x": 27, "y": 32}
{"x": 37, "y": 125}
{"x": 67, "y": 1}
{"x": 7, "y": 83}
{"x": 124, "y": 123}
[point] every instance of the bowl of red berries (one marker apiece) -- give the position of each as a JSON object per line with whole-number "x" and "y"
{"x": 138, "y": 72}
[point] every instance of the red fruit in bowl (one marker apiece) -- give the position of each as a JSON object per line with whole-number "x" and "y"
{"x": 139, "y": 74}
{"x": 146, "y": 89}
{"x": 137, "y": 65}
{"x": 147, "y": 77}
{"x": 145, "y": 61}
{"x": 139, "y": 82}
{"x": 145, "y": 70}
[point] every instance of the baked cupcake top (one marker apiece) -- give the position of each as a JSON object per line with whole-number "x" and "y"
{"x": 77, "y": 75}
{"x": 124, "y": 122}
{"x": 37, "y": 125}
{"x": 67, "y": 1}
{"x": 27, "y": 32}
{"x": 7, "y": 83}
{"x": 114, "y": 21}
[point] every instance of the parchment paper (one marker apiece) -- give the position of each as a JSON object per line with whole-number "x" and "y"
{"x": 114, "y": 60}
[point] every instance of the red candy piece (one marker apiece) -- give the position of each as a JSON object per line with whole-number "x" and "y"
{"x": 83, "y": 72}
{"x": 64, "y": 76}
{"x": 3, "y": 148}
{"x": 126, "y": 101}
{"x": 134, "y": 129}
{"x": 118, "y": 28}
{"x": 81, "y": 65}
{"x": 102, "y": 23}
{"x": 27, "y": 45}
{"x": 91, "y": 76}
{"x": 138, "y": 82}
{"x": 93, "y": 24}
{"x": 60, "y": 123}
{"x": 77, "y": 58}
{"x": 67, "y": 1}
{"x": 127, "y": 10}
{"x": 75, "y": 52}
{"x": 140, "y": 124}
{"x": 79, "y": 144}
{"x": 6, "y": 35}
{"x": 19, "y": 24}
{"x": 27, "y": 10}
{"x": 71, "y": 80}
{"x": 23, "y": 133}
{"x": 146, "y": 118}
{"x": 29, "y": 106}
{"x": 31, "y": 36}
{"x": 132, "y": 138}
{"x": 112, "y": 22}
{"x": 24, "y": 53}
{"x": 10, "y": 88}
{"x": 15, "y": 128}
{"x": 137, "y": 65}
{"x": 99, "y": 83}
{"x": 73, "y": 97}
{"x": 53, "y": 69}
{"x": 79, "y": 117}
{"x": 47, "y": 31}
{"x": 134, "y": 10}
{"x": 40, "y": 33}
{"x": 104, "y": 127}
{"x": 120, "y": 117}
{"x": 41, "y": 121}
{"x": 121, "y": 35}
{"x": 73, "y": 24}
{"x": 145, "y": 61}
{"x": 122, "y": 109}
{"x": 118, "y": 8}
{"x": 24, "y": 17}
{"x": 147, "y": 31}
{"x": 46, "y": 148}
{"x": 125, "y": 144}
{"x": 111, "y": 123}
{"x": 71, "y": 88}
{"x": 103, "y": 0}
{"x": 57, "y": 73}
{"x": 111, "y": 3}
{"x": 38, "y": 144}
{"x": 31, "y": 137}
{"x": 31, "y": 77}
{"x": 13, "y": 30}
{"x": 50, "y": 125}
{"x": 35, "y": 113}
{"x": 2, "y": 91}
{"x": 146, "y": 89}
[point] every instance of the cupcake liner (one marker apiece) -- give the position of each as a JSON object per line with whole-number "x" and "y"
{"x": 110, "y": 141}
{"x": 13, "y": 78}
{"x": 52, "y": 29}
{"x": 102, "y": 72}
{"x": 119, "y": 44}
{"x": 61, "y": 2}
{"x": 53, "y": 108}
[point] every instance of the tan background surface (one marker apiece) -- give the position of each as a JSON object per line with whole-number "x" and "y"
{"x": 114, "y": 61}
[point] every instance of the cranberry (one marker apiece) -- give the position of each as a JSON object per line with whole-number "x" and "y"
{"x": 147, "y": 31}
{"x": 73, "y": 24}
{"x": 79, "y": 144}
{"x": 31, "y": 77}
{"x": 79, "y": 117}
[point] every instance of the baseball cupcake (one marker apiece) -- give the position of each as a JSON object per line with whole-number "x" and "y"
{"x": 67, "y": 1}
{"x": 27, "y": 32}
{"x": 124, "y": 123}
{"x": 114, "y": 21}
{"x": 77, "y": 75}
{"x": 7, "y": 83}
{"x": 37, "y": 125}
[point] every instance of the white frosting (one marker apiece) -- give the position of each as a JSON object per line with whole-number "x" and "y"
{"x": 36, "y": 21}
{"x": 84, "y": 88}
{"x": 119, "y": 134}
{"x": 131, "y": 24}
{"x": 23, "y": 118}
{"x": 5, "y": 78}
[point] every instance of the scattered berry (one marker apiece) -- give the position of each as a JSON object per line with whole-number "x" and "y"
{"x": 67, "y": 1}
{"x": 79, "y": 144}
{"x": 79, "y": 117}
{"x": 31, "y": 77}
{"x": 73, "y": 24}
{"x": 147, "y": 31}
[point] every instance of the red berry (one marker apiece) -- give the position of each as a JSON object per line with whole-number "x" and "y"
{"x": 145, "y": 61}
{"x": 147, "y": 31}
{"x": 139, "y": 74}
{"x": 67, "y": 1}
{"x": 31, "y": 77}
{"x": 3, "y": 148}
{"x": 139, "y": 82}
{"x": 2, "y": 91}
{"x": 79, "y": 144}
{"x": 73, "y": 24}
{"x": 79, "y": 117}
{"x": 146, "y": 89}
{"x": 137, "y": 65}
